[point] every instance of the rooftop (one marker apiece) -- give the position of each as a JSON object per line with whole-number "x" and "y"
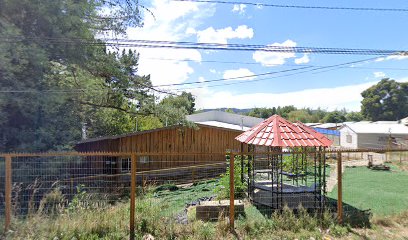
{"x": 229, "y": 119}
{"x": 279, "y": 132}
{"x": 379, "y": 128}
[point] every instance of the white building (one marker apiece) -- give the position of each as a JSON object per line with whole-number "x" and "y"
{"x": 404, "y": 121}
{"x": 372, "y": 135}
{"x": 224, "y": 120}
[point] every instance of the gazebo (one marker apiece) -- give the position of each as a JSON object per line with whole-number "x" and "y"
{"x": 287, "y": 165}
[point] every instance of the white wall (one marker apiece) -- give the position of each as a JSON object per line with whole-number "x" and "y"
{"x": 376, "y": 140}
{"x": 343, "y": 138}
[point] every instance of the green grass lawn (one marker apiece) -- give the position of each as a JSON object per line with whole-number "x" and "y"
{"x": 384, "y": 192}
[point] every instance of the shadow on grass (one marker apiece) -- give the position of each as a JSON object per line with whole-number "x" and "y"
{"x": 352, "y": 216}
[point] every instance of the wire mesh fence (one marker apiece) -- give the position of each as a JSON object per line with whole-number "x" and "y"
{"x": 186, "y": 186}
{"x": 50, "y": 183}
{"x": 373, "y": 183}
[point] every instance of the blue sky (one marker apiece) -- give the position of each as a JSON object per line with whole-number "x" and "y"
{"x": 224, "y": 23}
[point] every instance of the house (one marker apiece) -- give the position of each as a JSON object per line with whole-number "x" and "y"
{"x": 329, "y": 130}
{"x": 373, "y": 135}
{"x": 215, "y": 132}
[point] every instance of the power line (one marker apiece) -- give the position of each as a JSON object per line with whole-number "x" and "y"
{"x": 213, "y": 46}
{"x": 270, "y": 65}
{"x": 332, "y": 67}
{"x": 328, "y": 67}
{"x": 232, "y": 78}
{"x": 299, "y": 6}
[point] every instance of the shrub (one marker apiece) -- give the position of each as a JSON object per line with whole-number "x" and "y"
{"x": 223, "y": 189}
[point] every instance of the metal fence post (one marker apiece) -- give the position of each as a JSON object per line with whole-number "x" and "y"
{"x": 8, "y": 186}
{"x": 132, "y": 196}
{"x": 232, "y": 192}
{"x": 339, "y": 189}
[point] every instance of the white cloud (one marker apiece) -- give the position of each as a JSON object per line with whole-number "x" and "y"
{"x": 259, "y": 6}
{"x": 302, "y": 60}
{"x": 334, "y": 98}
{"x": 211, "y": 35}
{"x": 190, "y": 31}
{"x": 201, "y": 79}
{"x": 239, "y": 8}
{"x": 391, "y": 57}
{"x": 240, "y": 74}
{"x": 213, "y": 71}
{"x": 172, "y": 21}
{"x": 274, "y": 58}
{"x": 379, "y": 74}
{"x": 348, "y": 97}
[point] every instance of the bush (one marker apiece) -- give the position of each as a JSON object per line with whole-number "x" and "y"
{"x": 223, "y": 188}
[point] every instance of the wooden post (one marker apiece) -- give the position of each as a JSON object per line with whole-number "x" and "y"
{"x": 8, "y": 186}
{"x": 339, "y": 189}
{"x": 71, "y": 187}
{"x": 132, "y": 196}
{"x": 400, "y": 154}
{"x": 193, "y": 175}
{"x": 232, "y": 193}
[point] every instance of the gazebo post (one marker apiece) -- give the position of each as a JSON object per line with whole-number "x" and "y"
{"x": 242, "y": 163}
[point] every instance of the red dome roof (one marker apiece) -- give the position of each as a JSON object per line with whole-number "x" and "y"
{"x": 279, "y": 132}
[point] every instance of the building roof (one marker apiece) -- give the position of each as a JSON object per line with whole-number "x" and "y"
{"x": 233, "y": 128}
{"x": 279, "y": 132}
{"x": 404, "y": 121}
{"x": 378, "y": 128}
{"x": 328, "y": 125}
{"x": 224, "y": 117}
{"x": 224, "y": 125}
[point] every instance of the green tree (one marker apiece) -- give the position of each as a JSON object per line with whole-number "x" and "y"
{"x": 387, "y": 100}
{"x": 54, "y": 82}
{"x": 301, "y": 115}
{"x": 262, "y": 112}
{"x": 172, "y": 110}
{"x": 335, "y": 117}
{"x": 284, "y": 111}
{"x": 354, "y": 117}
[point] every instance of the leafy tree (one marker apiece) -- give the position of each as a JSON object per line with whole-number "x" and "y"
{"x": 354, "y": 117}
{"x": 335, "y": 117}
{"x": 387, "y": 100}
{"x": 284, "y": 111}
{"x": 173, "y": 109}
{"x": 300, "y": 115}
{"x": 262, "y": 112}
{"x": 55, "y": 82}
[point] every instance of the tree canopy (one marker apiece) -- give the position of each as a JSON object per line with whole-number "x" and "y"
{"x": 59, "y": 80}
{"x": 387, "y": 100}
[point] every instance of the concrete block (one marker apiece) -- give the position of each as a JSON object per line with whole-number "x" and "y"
{"x": 211, "y": 210}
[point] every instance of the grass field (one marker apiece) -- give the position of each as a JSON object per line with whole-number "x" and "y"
{"x": 384, "y": 192}
{"x": 156, "y": 211}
